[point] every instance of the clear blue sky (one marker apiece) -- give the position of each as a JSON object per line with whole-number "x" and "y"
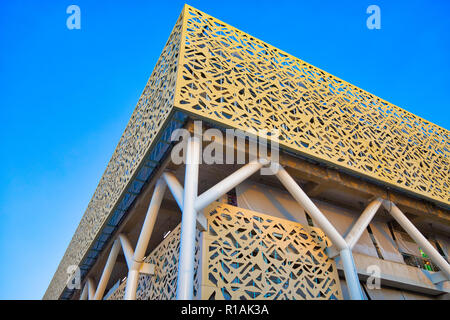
{"x": 66, "y": 95}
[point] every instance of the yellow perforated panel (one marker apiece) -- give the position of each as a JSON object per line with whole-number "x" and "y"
{"x": 234, "y": 79}
{"x": 245, "y": 255}
{"x": 223, "y": 75}
{"x": 249, "y": 255}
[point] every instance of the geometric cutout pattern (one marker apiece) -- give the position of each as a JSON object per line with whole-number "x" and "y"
{"x": 218, "y": 73}
{"x": 245, "y": 255}
{"x": 250, "y": 255}
{"x": 163, "y": 284}
{"x": 234, "y": 79}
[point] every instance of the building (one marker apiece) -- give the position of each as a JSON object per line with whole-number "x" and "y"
{"x": 359, "y": 189}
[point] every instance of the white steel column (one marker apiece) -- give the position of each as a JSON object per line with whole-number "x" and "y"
{"x": 84, "y": 293}
{"x": 133, "y": 273}
{"x": 135, "y": 258}
{"x": 311, "y": 208}
{"x": 418, "y": 237}
{"x": 228, "y": 183}
{"x": 362, "y": 222}
{"x": 91, "y": 289}
{"x": 175, "y": 188}
{"x": 185, "y": 283}
{"x": 149, "y": 222}
{"x": 351, "y": 275}
{"x": 107, "y": 270}
{"x": 127, "y": 249}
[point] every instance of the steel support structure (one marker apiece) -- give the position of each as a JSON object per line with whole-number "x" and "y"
{"x": 135, "y": 262}
{"x": 186, "y": 262}
{"x": 423, "y": 243}
{"x": 362, "y": 222}
{"x": 134, "y": 258}
{"x": 351, "y": 275}
{"x": 192, "y": 205}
